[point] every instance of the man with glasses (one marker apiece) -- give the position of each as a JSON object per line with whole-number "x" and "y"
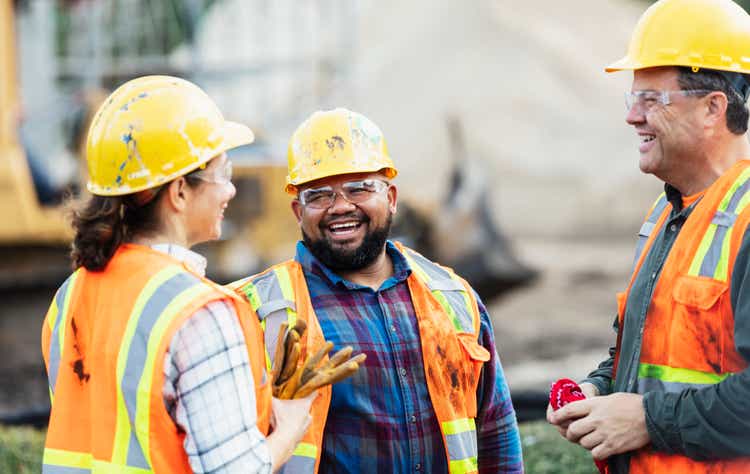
{"x": 674, "y": 394}
{"x": 431, "y": 396}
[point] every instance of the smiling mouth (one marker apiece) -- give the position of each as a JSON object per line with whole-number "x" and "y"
{"x": 344, "y": 228}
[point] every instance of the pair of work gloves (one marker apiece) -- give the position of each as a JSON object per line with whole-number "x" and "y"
{"x": 293, "y": 378}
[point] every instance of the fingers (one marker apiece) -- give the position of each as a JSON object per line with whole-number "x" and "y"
{"x": 602, "y": 451}
{"x": 591, "y": 440}
{"x": 578, "y": 429}
{"x": 572, "y": 411}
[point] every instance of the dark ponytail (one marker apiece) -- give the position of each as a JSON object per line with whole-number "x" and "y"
{"x": 103, "y": 223}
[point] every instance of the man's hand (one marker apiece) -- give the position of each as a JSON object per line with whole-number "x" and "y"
{"x": 589, "y": 390}
{"x": 607, "y": 425}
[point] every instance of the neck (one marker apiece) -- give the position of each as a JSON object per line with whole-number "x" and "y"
{"x": 372, "y": 275}
{"x": 716, "y": 162}
{"x": 167, "y": 235}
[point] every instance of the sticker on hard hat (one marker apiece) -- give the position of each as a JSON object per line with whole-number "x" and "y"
{"x": 139, "y": 174}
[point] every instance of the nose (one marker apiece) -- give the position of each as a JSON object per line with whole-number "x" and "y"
{"x": 635, "y": 115}
{"x": 232, "y": 190}
{"x": 340, "y": 204}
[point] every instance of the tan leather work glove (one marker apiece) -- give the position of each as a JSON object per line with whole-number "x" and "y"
{"x": 294, "y": 380}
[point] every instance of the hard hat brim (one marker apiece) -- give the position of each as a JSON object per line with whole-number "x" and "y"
{"x": 390, "y": 173}
{"x": 236, "y": 134}
{"x": 623, "y": 64}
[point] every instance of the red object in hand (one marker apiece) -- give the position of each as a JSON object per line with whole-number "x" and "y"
{"x": 563, "y": 392}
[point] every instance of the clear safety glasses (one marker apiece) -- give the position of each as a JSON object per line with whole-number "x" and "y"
{"x": 356, "y": 192}
{"x": 222, "y": 174}
{"x": 645, "y": 100}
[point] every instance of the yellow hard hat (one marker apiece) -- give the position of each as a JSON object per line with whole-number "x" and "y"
{"x": 152, "y": 130}
{"x": 335, "y": 142}
{"x": 711, "y": 34}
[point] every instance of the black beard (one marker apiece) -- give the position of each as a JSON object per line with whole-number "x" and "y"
{"x": 357, "y": 259}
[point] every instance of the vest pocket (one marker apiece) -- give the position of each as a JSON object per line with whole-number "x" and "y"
{"x": 695, "y": 330}
{"x": 698, "y": 292}
{"x": 477, "y": 355}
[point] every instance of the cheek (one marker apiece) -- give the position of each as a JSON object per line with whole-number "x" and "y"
{"x": 310, "y": 222}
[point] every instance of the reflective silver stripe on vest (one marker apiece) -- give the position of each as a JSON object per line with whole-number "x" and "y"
{"x": 55, "y": 349}
{"x": 462, "y": 445}
{"x": 452, "y": 290}
{"x": 272, "y": 309}
{"x": 656, "y": 385}
{"x": 724, "y": 220}
{"x": 274, "y": 305}
{"x": 298, "y": 464}
{"x": 136, "y": 358}
{"x": 649, "y": 226}
{"x": 49, "y": 469}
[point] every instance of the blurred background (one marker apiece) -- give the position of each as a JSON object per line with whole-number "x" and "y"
{"x": 516, "y": 165}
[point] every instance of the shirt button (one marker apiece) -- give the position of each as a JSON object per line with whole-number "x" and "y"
{"x": 402, "y": 371}
{"x": 673, "y": 227}
{"x": 653, "y": 276}
{"x": 393, "y": 328}
{"x": 413, "y": 419}
{"x": 418, "y": 467}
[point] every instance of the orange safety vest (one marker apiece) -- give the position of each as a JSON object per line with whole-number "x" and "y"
{"x": 104, "y": 340}
{"x": 448, "y": 318}
{"x": 688, "y": 335}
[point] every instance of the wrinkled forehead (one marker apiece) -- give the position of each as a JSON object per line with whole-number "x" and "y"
{"x": 342, "y": 178}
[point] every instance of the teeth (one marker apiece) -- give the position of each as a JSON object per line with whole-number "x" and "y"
{"x": 648, "y": 138}
{"x": 347, "y": 226}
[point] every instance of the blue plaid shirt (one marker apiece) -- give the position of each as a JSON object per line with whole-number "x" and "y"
{"x": 381, "y": 420}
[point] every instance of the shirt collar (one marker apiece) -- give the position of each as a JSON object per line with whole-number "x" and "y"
{"x": 311, "y": 265}
{"x": 194, "y": 261}
{"x": 675, "y": 197}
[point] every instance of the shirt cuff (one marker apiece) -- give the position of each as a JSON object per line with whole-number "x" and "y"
{"x": 661, "y": 421}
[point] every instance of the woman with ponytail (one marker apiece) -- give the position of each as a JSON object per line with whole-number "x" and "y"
{"x": 151, "y": 366}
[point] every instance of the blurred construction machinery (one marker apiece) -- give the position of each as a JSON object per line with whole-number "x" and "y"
{"x": 268, "y": 64}
{"x": 76, "y": 50}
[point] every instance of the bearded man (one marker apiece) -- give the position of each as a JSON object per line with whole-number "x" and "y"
{"x": 431, "y": 395}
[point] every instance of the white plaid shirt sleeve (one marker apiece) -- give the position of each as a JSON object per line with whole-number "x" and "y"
{"x": 209, "y": 393}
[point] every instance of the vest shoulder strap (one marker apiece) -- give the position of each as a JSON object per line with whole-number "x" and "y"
{"x": 712, "y": 257}
{"x": 452, "y": 292}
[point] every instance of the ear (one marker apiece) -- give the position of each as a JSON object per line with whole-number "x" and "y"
{"x": 716, "y": 109}
{"x": 177, "y": 195}
{"x": 392, "y": 198}
{"x": 297, "y": 209}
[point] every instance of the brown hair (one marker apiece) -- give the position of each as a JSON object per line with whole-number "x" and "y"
{"x": 103, "y": 223}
